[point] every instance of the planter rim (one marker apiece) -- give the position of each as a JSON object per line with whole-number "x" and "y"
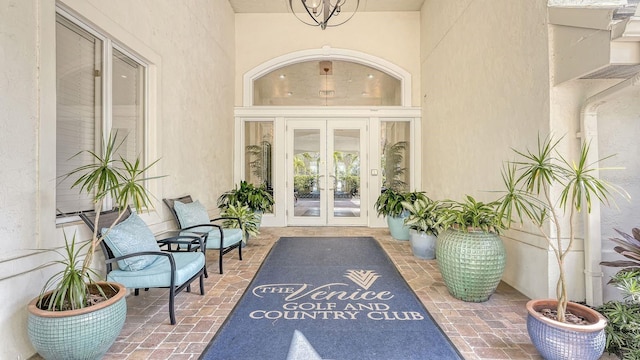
{"x": 598, "y": 321}
{"x": 472, "y": 230}
{"x": 121, "y": 292}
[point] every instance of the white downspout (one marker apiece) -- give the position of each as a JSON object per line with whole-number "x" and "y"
{"x": 592, "y": 237}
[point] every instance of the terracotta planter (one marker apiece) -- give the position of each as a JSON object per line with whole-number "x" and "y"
{"x": 86, "y": 333}
{"x": 556, "y": 340}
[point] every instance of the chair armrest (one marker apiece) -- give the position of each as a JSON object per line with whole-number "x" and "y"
{"x": 158, "y": 253}
{"x": 229, "y": 218}
{"x": 212, "y": 226}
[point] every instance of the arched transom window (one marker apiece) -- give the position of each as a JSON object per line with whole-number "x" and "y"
{"x": 327, "y": 83}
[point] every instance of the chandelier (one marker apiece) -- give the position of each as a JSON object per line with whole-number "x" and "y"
{"x": 321, "y": 11}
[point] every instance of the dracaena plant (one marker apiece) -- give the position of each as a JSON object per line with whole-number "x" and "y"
{"x": 531, "y": 181}
{"x": 107, "y": 176}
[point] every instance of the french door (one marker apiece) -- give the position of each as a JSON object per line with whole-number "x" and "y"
{"x": 326, "y": 168}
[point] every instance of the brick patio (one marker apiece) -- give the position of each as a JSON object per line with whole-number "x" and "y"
{"x": 495, "y": 329}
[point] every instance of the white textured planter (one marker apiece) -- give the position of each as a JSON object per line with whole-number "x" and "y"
{"x": 423, "y": 245}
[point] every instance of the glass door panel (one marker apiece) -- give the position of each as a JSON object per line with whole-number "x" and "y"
{"x": 325, "y": 170}
{"x": 346, "y": 146}
{"x": 307, "y": 163}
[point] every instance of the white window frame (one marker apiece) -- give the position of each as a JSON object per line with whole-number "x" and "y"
{"x": 108, "y": 45}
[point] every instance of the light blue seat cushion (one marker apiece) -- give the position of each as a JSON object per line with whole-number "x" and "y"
{"x": 158, "y": 274}
{"x": 128, "y": 237}
{"x": 231, "y": 237}
{"x": 194, "y": 213}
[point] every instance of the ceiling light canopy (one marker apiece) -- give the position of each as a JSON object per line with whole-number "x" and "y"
{"x": 321, "y": 12}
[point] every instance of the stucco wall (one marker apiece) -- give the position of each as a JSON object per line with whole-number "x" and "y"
{"x": 618, "y": 134}
{"x": 192, "y": 54}
{"x": 485, "y": 89}
{"x": 392, "y": 36}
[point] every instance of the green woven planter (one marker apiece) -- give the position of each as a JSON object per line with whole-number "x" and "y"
{"x": 471, "y": 263}
{"x": 86, "y": 333}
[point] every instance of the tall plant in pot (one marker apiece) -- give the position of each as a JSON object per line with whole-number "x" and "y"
{"x": 257, "y": 198}
{"x": 551, "y": 191}
{"x": 424, "y": 222}
{"x": 470, "y": 252}
{"x": 77, "y": 316}
{"x": 389, "y": 204}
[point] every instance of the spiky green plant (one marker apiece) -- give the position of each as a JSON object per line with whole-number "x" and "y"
{"x": 108, "y": 176}
{"x": 529, "y": 182}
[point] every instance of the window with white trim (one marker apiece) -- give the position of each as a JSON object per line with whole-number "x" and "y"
{"x": 100, "y": 90}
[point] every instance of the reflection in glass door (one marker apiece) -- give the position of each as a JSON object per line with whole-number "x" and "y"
{"x": 326, "y": 170}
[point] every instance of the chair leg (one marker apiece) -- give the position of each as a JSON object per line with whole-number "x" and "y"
{"x": 189, "y": 288}
{"x": 220, "y": 259}
{"x": 172, "y": 313}
{"x": 240, "y": 250}
{"x": 201, "y": 285}
{"x": 136, "y": 292}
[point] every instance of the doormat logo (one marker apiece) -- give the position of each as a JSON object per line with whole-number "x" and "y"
{"x": 331, "y": 301}
{"x": 363, "y": 278}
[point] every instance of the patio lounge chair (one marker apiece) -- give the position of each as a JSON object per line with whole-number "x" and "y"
{"x": 141, "y": 263}
{"x": 192, "y": 216}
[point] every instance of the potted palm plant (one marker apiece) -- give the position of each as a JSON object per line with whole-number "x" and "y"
{"x": 545, "y": 188}
{"x": 471, "y": 256}
{"x": 424, "y": 222}
{"x": 76, "y": 316}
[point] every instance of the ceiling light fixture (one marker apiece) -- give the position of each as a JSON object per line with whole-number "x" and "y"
{"x": 321, "y": 11}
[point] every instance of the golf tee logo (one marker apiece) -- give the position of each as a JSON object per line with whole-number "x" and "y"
{"x": 362, "y": 278}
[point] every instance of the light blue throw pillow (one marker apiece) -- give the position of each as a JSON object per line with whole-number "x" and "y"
{"x": 191, "y": 214}
{"x": 132, "y": 236}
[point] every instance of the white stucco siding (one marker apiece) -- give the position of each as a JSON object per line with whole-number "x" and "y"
{"x": 196, "y": 44}
{"x": 392, "y": 36}
{"x": 191, "y": 52}
{"x": 619, "y": 134}
{"x": 485, "y": 90}
{"x": 26, "y": 178}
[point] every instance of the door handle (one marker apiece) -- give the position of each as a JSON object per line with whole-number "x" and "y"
{"x": 319, "y": 188}
{"x": 335, "y": 180}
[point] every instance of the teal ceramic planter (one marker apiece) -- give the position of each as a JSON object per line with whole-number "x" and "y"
{"x": 398, "y": 229}
{"x": 83, "y": 334}
{"x": 471, "y": 263}
{"x": 423, "y": 246}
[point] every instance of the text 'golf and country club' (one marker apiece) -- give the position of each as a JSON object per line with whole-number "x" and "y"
{"x": 332, "y": 301}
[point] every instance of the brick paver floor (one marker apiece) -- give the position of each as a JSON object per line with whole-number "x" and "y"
{"x": 494, "y": 329}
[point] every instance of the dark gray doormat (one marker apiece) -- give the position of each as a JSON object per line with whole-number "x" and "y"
{"x": 329, "y": 298}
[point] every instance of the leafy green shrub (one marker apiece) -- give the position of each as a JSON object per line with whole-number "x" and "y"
{"x": 303, "y": 183}
{"x": 623, "y": 325}
{"x": 257, "y": 198}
